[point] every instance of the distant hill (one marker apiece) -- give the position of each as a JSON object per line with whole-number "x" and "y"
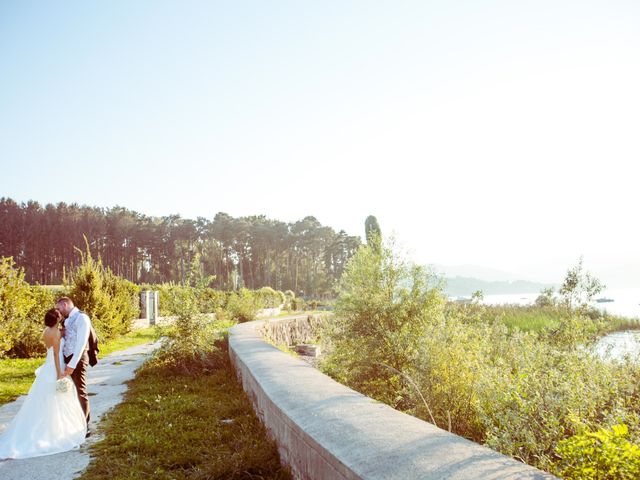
{"x": 465, "y": 286}
{"x": 474, "y": 271}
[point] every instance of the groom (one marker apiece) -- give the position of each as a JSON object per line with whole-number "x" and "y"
{"x": 76, "y": 328}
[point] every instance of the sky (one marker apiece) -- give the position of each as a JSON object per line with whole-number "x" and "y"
{"x": 494, "y": 133}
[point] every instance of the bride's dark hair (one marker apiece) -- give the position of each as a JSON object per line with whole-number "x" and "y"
{"x": 52, "y": 317}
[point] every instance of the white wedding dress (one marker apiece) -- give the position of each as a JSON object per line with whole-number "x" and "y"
{"x": 48, "y": 421}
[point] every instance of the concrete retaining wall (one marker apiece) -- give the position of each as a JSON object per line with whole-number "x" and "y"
{"x": 325, "y": 430}
{"x": 293, "y": 330}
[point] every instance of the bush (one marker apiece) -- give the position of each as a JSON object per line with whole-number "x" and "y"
{"x": 298, "y": 304}
{"x": 190, "y": 338}
{"x": 384, "y": 306}
{"x": 289, "y": 298}
{"x": 28, "y": 342}
{"x": 110, "y": 301}
{"x": 604, "y": 454}
{"x": 15, "y": 303}
{"x": 22, "y": 309}
{"x": 167, "y": 294}
{"x": 242, "y": 306}
{"x": 267, "y": 297}
{"x": 210, "y": 300}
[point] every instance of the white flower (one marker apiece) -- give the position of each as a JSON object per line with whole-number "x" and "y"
{"x": 63, "y": 385}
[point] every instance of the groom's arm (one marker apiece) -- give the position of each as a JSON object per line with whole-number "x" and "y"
{"x": 81, "y": 342}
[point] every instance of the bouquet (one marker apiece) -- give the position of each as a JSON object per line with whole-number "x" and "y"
{"x": 63, "y": 385}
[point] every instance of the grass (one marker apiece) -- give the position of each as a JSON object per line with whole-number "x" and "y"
{"x": 16, "y": 377}
{"x": 532, "y": 318}
{"x": 528, "y": 318}
{"x": 185, "y": 423}
{"x": 623, "y": 323}
{"x": 17, "y": 374}
{"x": 131, "y": 339}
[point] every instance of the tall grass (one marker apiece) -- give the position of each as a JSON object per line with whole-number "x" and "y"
{"x": 524, "y": 318}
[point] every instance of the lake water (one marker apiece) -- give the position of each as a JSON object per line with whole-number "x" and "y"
{"x": 617, "y": 345}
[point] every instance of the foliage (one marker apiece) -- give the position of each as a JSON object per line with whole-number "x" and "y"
{"x": 242, "y": 306}
{"x": 546, "y": 298}
{"x": 373, "y": 232}
{"x": 527, "y": 318}
{"x": 384, "y": 306}
{"x": 579, "y": 286}
{"x": 289, "y": 300}
{"x": 168, "y": 295}
{"x": 110, "y": 301}
{"x": 302, "y": 255}
{"x": 298, "y": 304}
{"x": 604, "y": 454}
{"x": 210, "y": 300}
{"x": 267, "y": 297}
{"x": 518, "y": 379}
{"x": 477, "y": 296}
{"x": 15, "y": 302}
{"x": 28, "y": 339}
{"x": 22, "y": 309}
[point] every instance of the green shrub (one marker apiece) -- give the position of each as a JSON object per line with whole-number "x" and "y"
{"x": 267, "y": 297}
{"x": 210, "y": 300}
{"x": 604, "y": 454}
{"x": 289, "y": 300}
{"x": 167, "y": 294}
{"x": 15, "y": 303}
{"x": 242, "y": 306}
{"x": 298, "y": 303}
{"x": 110, "y": 301}
{"x": 384, "y": 306}
{"x": 191, "y": 336}
{"x": 22, "y": 309}
{"x": 28, "y": 342}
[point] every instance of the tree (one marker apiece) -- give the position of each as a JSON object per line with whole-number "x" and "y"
{"x": 372, "y": 231}
{"x": 579, "y": 286}
{"x": 546, "y": 297}
{"x": 384, "y": 306}
{"x": 301, "y": 256}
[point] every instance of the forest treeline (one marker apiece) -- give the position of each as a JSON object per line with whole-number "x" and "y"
{"x": 254, "y": 251}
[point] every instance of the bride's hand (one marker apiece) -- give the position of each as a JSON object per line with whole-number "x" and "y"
{"x": 60, "y": 375}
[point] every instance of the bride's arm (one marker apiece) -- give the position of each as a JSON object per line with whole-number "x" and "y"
{"x": 56, "y": 354}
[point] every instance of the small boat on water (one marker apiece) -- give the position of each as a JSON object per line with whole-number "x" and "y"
{"x": 604, "y": 300}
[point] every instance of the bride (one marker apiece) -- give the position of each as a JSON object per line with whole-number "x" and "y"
{"x": 49, "y": 421}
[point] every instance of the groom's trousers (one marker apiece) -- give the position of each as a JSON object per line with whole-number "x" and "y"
{"x": 79, "y": 377}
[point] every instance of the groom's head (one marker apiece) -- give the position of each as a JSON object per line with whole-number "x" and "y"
{"x": 64, "y": 305}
